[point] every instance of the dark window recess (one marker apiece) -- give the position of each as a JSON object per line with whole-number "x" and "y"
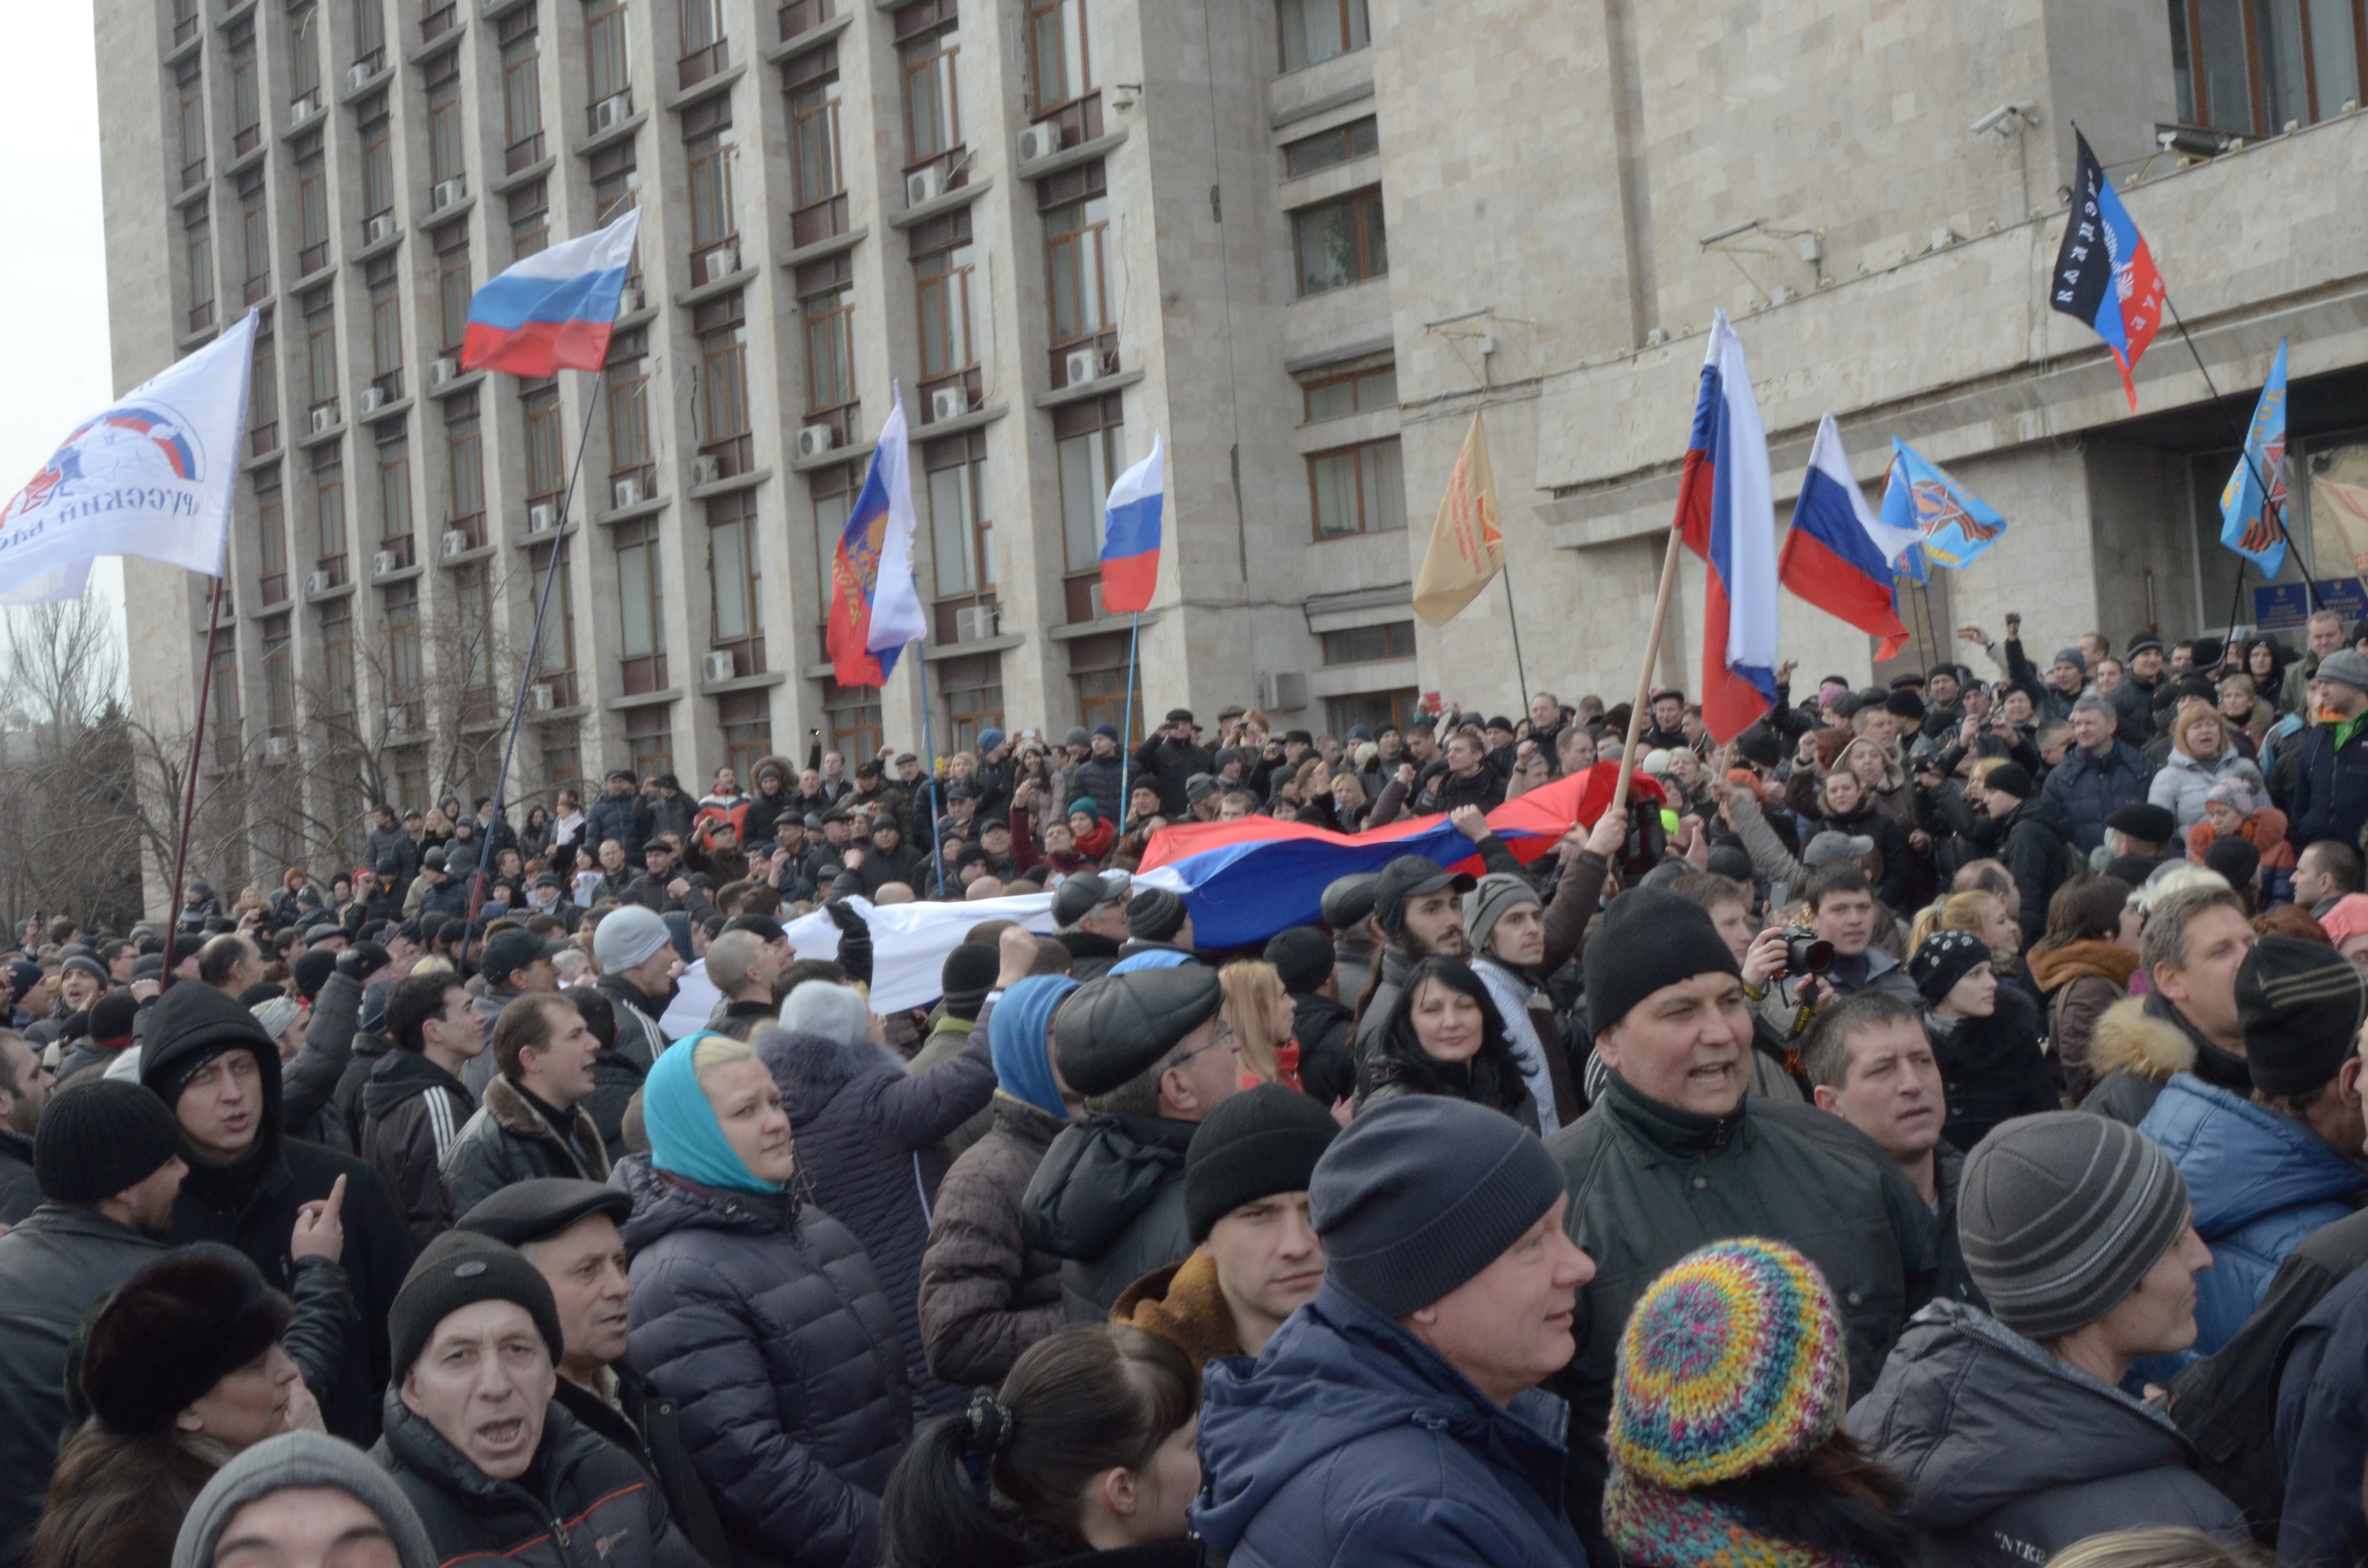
{"x": 1362, "y": 644}
{"x": 804, "y": 16}
{"x": 1358, "y": 392}
{"x": 1356, "y": 139}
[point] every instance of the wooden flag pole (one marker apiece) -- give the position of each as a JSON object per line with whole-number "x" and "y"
{"x": 1645, "y": 673}
{"x": 190, "y": 785}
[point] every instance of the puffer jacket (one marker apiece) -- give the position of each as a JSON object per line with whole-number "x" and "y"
{"x": 2322, "y": 1432}
{"x": 1097, "y": 779}
{"x": 986, "y": 1294}
{"x": 1108, "y": 1198}
{"x": 2259, "y": 1182}
{"x": 2139, "y": 1045}
{"x": 626, "y": 820}
{"x": 866, "y": 1133}
{"x": 761, "y": 1319}
{"x": 643, "y": 1424}
{"x": 584, "y": 1502}
{"x": 2265, "y": 830}
{"x": 1991, "y": 1068}
{"x": 2011, "y": 1455}
{"x": 508, "y": 1141}
{"x": 1349, "y": 1441}
{"x": 2080, "y": 981}
{"x": 414, "y": 1111}
{"x": 2092, "y": 789}
{"x": 2182, "y": 781}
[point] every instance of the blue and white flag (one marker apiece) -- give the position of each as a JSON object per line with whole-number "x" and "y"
{"x": 1919, "y": 497}
{"x": 2252, "y": 518}
{"x": 153, "y": 474}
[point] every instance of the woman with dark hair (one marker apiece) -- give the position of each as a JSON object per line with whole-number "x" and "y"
{"x": 534, "y": 838}
{"x": 1085, "y": 1456}
{"x": 1444, "y": 1036}
{"x": 2082, "y": 967}
{"x": 1726, "y": 1439}
{"x": 2265, "y": 660}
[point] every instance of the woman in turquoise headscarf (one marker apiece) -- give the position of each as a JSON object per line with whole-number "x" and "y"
{"x": 759, "y": 1316}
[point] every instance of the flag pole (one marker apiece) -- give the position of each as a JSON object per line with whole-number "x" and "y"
{"x": 533, "y": 657}
{"x": 1644, "y": 675}
{"x": 2274, "y": 511}
{"x": 1126, "y": 729}
{"x": 929, "y": 746}
{"x": 1512, "y": 619}
{"x": 190, "y": 787}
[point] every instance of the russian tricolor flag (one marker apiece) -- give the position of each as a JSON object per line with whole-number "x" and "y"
{"x": 1131, "y": 534}
{"x": 1838, "y": 555}
{"x": 555, "y": 309}
{"x": 1726, "y": 511}
{"x": 875, "y": 607}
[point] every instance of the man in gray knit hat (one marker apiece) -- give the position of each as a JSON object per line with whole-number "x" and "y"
{"x": 2011, "y": 1426}
{"x": 2331, "y": 787}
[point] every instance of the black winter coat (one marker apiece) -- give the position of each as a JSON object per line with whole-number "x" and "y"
{"x": 20, "y": 1194}
{"x": 761, "y": 1319}
{"x": 2331, "y": 785}
{"x": 508, "y": 1141}
{"x": 412, "y": 1113}
{"x": 643, "y": 1424}
{"x": 2037, "y": 843}
{"x": 584, "y": 1502}
{"x": 626, "y": 820}
{"x": 1991, "y": 1068}
{"x": 1108, "y": 1198}
{"x": 1166, "y": 764}
{"x": 1326, "y": 1032}
{"x": 1396, "y": 1066}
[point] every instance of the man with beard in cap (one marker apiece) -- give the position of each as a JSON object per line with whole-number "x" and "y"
{"x": 109, "y": 1160}
{"x": 249, "y": 1184}
{"x": 568, "y": 1229}
{"x": 1090, "y": 910}
{"x": 1151, "y": 1054}
{"x": 495, "y": 1464}
{"x": 1673, "y": 1156}
{"x": 1418, "y": 904}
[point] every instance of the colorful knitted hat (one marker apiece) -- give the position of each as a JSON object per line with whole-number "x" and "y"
{"x": 1733, "y": 1362}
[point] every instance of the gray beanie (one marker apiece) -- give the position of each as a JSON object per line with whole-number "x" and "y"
{"x": 285, "y": 1463}
{"x": 1498, "y": 894}
{"x": 2346, "y": 668}
{"x": 1422, "y": 1193}
{"x": 626, "y": 936}
{"x": 2061, "y": 1215}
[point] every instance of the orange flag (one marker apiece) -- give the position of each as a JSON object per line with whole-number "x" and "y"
{"x": 1467, "y": 548}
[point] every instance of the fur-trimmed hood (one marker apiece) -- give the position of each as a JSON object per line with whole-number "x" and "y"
{"x": 2054, "y": 968}
{"x": 2149, "y": 1046}
{"x": 1894, "y": 776}
{"x": 1183, "y": 1304}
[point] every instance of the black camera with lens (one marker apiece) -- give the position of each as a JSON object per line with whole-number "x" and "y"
{"x": 1806, "y": 952}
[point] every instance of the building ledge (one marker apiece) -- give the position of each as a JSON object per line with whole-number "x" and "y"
{"x": 535, "y": 542}
{"x": 859, "y": 450}
{"x": 192, "y": 195}
{"x": 644, "y": 699}
{"x": 319, "y": 275}
{"x": 635, "y": 513}
{"x": 961, "y": 195}
{"x": 1106, "y": 625}
{"x": 716, "y": 287}
{"x": 334, "y": 591}
{"x": 464, "y": 557}
{"x": 974, "y": 420}
{"x": 1070, "y": 157}
{"x": 234, "y": 15}
{"x": 632, "y": 319}
{"x": 383, "y": 411}
{"x": 257, "y": 465}
{"x": 526, "y": 176}
{"x": 440, "y": 42}
{"x": 437, "y": 217}
{"x": 323, "y": 436}
{"x": 492, "y": 8}
{"x": 813, "y": 38}
{"x": 831, "y": 246}
{"x": 938, "y": 653}
{"x": 248, "y": 159}
{"x": 368, "y": 85}
{"x": 377, "y": 248}
{"x": 1079, "y": 390}
{"x": 756, "y": 682}
{"x": 1354, "y": 92}
{"x": 620, "y": 131}
{"x": 811, "y": 672}
{"x": 698, "y": 92}
{"x": 197, "y": 339}
{"x": 748, "y": 481}
{"x": 186, "y": 48}
{"x": 461, "y": 382}
{"x": 399, "y": 574}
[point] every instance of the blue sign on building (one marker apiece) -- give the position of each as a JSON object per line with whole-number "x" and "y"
{"x": 2285, "y": 606}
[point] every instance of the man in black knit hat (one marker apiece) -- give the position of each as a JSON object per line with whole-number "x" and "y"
{"x": 1308, "y": 963}
{"x": 1156, "y": 918}
{"x": 1673, "y": 1156}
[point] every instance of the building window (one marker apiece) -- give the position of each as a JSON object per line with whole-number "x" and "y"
{"x": 255, "y": 239}
{"x": 227, "y": 739}
{"x": 641, "y": 606}
{"x": 628, "y": 410}
{"x": 1357, "y": 490}
{"x": 943, "y": 276}
{"x": 270, "y": 539}
{"x": 377, "y": 161}
{"x": 329, "y": 510}
{"x": 263, "y": 392}
{"x": 736, "y": 582}
{"x": 1089, "y": 460}
{"x": 814, "y": 142}
{"x": 932, "y": 104}
{"x": 245, "y": 91}
{"x": 452, "y": 287}
{"x": 1073, "y": 261}
{"x": 1360, "y": 391}
{"x": 649, "y": 732}
{"x": 855, "y": 725}
{"x": 198, "y": 252}
{"x": 713, "y": 150}
{"x": 723, "y": 383}
{"x": 2250, "y": 69}
{"x": 337, "y": 658}
{"x": 546, "y": 456}
{"x": 386, "y": 331}
{"x": 1340, "y": 242}
{"x": 192, "y": 84}
{"x": 1373, "y": 708}
{"x": 369, "y": 33}
{"x": 974, "y": 694}
{"x": 1060, "y": 65}
{"x": 604, "y": 48}
{"x": 394, "y": 500}
{"x": 304, "y": 58}
{"x": 311, "y": 207}
{"x": 280, "y": 675}
{"x": 747, "y": 721}
{"x": 321, "y": 348}
{"x": 522, "y": 93}
{"x": 465, "y": 448}
{"x": 404, "y": 671}
{"x": 1098, "y": 665}
{"x": 530, "y": 210}
{"x": 1318, "y": 29}
{"x": 830, "y": 347}
{"x": 445, "y": 132}
{"x": 472, "y": 596}
{"x": 1357, "y": 139}
{"x": 1362, "y": 644}
{"x": 962, "y": 523}
{"x": 556, "y": 657}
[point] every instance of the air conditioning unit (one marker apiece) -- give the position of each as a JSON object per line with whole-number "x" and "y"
{"x": 398, "y": 720}
{"x": 300, "y": 111}
{"x": 446, "y": 193}
{"x": 949, "y": 402}
{"x": 383, "y": 564}
{"x": 381, "y": 228}
{"x": 1282, "y": 690}
{"x": 719, "y": 664}
{"x": 976, "y": 624}
{"x": 614, "y": 109}
{"x": 1085, "y": 364}
{"x": 443, "y": 371}
{"x": 541, "y": 518}
{"x": 707, "y": 471}
{"x": 358, "y": 73}
{"x": 276, "y": 748}
{"x": 456, "y": 542}
{"x": 625, "y": 492}
{"x": 318, "y": 583}
{"x": 325, "y": 418}
{"x": 374, "y": 399}
{"x": 628, "y": 301}
{"x": 816, "y": 440}
{"x": 725, "y": 260}
{"x": 924, "y": 186}
{"x": 1038, "y": 141}
{"x": 541, "y": 699}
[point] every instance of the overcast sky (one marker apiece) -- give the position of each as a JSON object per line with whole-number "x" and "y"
{"x": 53, "y": 350}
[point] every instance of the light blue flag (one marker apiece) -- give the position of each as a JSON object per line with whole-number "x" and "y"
{"x": 2251, "y": 522}
{"x": 1956, "y": 525}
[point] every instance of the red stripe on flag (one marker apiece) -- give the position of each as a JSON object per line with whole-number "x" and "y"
{"x": 1128, "y": 581}
{"x": 1730, "y": 703}
{"x": 1818, "y": 576}
{"x": 538, "y": 349}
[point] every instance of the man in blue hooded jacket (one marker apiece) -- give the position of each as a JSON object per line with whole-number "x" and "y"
{"x": 1397, "y": 1417}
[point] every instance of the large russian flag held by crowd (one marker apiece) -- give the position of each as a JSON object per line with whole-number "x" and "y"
{"x": 1726, "y": 511}
{"x": 1838, "y": 555}
{"x": 2105, "y": 275}
{"x": 874, "y": 607}
{"x": 554, "y": 310}
{"x": 1131, "y": 534}
{"x": 1246, "y": 879}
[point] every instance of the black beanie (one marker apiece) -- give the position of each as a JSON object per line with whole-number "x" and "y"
{"x": 2299, "y": 1005}
{"x": 2233, "y": 858}
{"x": 969, "y": 974}
{"x": 458, "y": 1269}
{"x": 111, "y": 1017}
{"x": 99, "y": 1137}
{"x": 1257, "y": 1143}
{"x": 1304, "y": 957}
{"x": 174, "y": 1330}
{"x": 2009, "y": 779}
{"x": 1944, "y": 959}
{"x": 311, "y": 971}
{"x": 1155, "y": 914}
{"x": 1650, "y": 938}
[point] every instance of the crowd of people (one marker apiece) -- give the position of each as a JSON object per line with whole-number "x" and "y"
{"x": 1927, "y": 1130}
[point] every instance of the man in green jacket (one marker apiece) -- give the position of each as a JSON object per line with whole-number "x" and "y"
{"x": 1673, "y": 1157}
